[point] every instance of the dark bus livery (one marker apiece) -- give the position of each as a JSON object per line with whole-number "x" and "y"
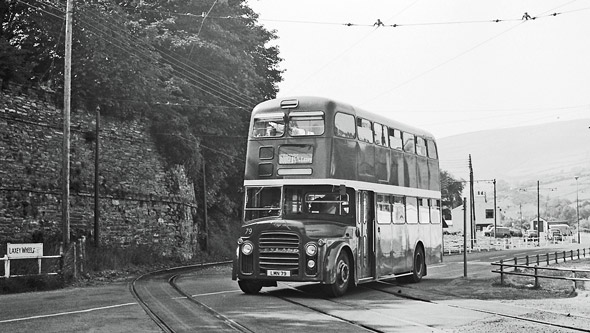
{"x": 336, "y": 195}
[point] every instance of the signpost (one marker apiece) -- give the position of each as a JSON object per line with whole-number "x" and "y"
{"x": 24, "y": 251}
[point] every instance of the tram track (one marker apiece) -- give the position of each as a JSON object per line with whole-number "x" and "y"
{"x": 316, "y": 309}
{"x": 335, "y": 308}
{"x": 156, "y": 308}
{"x": 364, "y": 327}
{"x": 544, "y": 323}
{"x": 157, "y": 319}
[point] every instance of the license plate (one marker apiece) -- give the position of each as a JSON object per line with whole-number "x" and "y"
{"x": 271, "y": 272}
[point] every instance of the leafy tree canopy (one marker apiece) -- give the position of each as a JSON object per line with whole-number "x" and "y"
{"x": 194, "y": 68}
{"x": 451, "y": 191}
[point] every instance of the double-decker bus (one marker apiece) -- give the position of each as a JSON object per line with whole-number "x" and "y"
{"x": 336, "y": 195}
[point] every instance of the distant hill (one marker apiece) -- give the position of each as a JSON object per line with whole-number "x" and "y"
{"x": 552, "y": 153}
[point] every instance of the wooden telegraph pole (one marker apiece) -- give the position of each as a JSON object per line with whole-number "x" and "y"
{"x": 96, "y": 190}
{"x": 471, "y": 203}
{"x": 65, "y": 202}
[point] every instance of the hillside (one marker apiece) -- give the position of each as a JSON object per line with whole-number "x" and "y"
{"x": 552, "y": 153}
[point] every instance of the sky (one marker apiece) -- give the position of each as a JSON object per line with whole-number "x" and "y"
{"x": 446, "y": 67}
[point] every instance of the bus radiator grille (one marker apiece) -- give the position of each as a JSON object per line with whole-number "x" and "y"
{"x": 279, "y": 251}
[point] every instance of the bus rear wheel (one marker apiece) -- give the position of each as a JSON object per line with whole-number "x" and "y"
{"x": 419, "y": 265}
{"x": 250, "y": 287}
{"x": 343, "y": 275}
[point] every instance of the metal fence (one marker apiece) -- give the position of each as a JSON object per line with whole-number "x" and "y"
{"x": 69, "y": 265}
{"x": 539, "y": 272}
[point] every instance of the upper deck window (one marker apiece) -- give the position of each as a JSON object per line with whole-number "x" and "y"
{"x": 381, "y": 137}
{"x": 364, "y": 129}
{"x": 395, "y": 139}
{"x": 432, "y": 149}
{"x": 409, "y": 143}
{"x": 306, "y": 123}
{"x": 269, "y": 125}
{"x": 420, "y": 146}
{"x": 344, "y": 125}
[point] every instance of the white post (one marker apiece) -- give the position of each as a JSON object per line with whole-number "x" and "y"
{"x": 6, "y": 266}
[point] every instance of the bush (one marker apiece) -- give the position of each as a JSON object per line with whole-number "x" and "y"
{"x": 30, "y": 283}
{"x": 119, "y": 258}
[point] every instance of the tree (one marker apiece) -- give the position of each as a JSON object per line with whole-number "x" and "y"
{"x": 194, "y": 77}
{"x": 29, "y": 35}
{"x": 451, "y": 190}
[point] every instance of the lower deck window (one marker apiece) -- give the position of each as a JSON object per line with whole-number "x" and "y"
{"x": 262, "y": 202}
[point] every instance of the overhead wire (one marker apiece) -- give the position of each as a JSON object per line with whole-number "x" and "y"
{"x": 121, "y": 45}
{"x": 431, "y": 69}
{"x": 116, "y": 35}
{"x": 341, "y": 54}
{"x": 197, "y": 82}
{"x": 181, "y": 74}
{"x": 203, "y": 71}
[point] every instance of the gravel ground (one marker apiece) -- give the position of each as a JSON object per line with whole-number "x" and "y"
{"x": 554, "y": 301}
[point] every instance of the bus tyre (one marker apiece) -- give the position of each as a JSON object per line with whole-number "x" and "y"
{"x": 343, "y": 275}
{"x": 419, "y": 265}
{"x": 250, "y": 287}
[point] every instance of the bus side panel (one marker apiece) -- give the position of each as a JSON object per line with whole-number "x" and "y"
{"x": 434, "y": 251}
{"x": 341, "y": 165}
{"x": 384, "y": 249}
{"x": 410, "y": 171}
{"x": 426, "y": 238}
{"x": 400, "y": 248}
{"x": 382, "y": 164}
{"x": 434, "y": 175}
{"x": 397, "y": 168}
{"x": 423, "y": 172}
{"x": 366, "y": 162}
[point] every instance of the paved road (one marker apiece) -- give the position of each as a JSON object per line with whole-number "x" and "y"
{"x": 289, "y": 307}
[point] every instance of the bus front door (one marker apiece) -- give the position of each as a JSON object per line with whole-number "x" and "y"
{"x": 365, "y": 264}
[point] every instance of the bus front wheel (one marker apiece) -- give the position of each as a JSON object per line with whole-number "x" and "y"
{"x": 419, "y": 265}
{"x": 343, "y": 275}
{"x": 250, "y": 287}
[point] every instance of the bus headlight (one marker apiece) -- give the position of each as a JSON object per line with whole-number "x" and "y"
{"x": 247, "y": 248}
{"x": 311, "y": 249}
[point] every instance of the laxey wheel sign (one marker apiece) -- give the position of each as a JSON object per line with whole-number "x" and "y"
{"x": 24, "y": 251}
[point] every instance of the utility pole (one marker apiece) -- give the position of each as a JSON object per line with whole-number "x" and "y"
{"x": 96, "y": 191}
{"x": 577, "y": 210}
{"x": 205, "y": 233}
{"x": 65, "y": 202}
{"x": 539, "y": 225}
{"x": 495, "y": 209}
{"x": 464, "y": 237}
{"x": 471, "y": 202}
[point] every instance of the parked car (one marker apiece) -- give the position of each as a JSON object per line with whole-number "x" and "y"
{"x": 530, "y": 234}
{"x": 555, "y": 235}
{"x": 501, "y": 232}
{"x": 515, "y": 232}
{"x": 565, "y": 229}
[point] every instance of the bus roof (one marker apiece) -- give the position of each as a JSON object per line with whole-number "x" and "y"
{"x": 310, "y": 102}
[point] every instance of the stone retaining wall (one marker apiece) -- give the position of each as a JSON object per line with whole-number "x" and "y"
{"x": 143, "y": 200}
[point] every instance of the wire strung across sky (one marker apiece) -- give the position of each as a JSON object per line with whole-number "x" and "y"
{"x": 197, "y": 77}
{"x": 201, "y": 79}
{"x": 378, "y": 22}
